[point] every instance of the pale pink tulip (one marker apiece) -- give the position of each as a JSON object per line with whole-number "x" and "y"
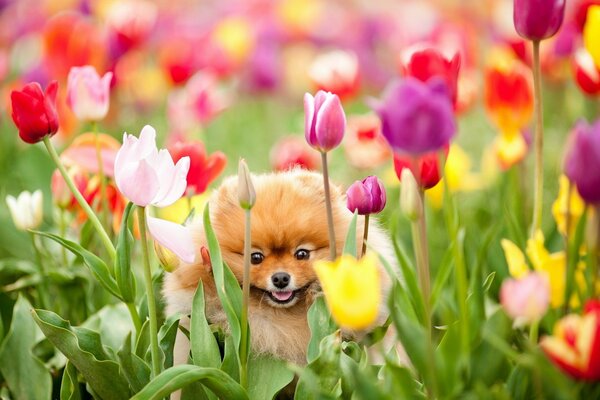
{"x": 526, "y": 299}
{"x": 87, "y": 93}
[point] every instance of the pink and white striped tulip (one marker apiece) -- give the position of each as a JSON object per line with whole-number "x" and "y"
{"x": 88, "y": 95}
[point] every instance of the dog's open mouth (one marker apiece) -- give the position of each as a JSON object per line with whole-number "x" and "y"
{"x": 283, "y": 297}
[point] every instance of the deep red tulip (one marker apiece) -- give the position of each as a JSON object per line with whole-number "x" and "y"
{"x": 204, "y": 168}
{"x": 34, "y": 112}
{"x": 425, "y": 168}
{"x": 538, "y": 19}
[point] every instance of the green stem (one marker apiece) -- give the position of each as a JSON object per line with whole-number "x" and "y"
{"x": 103, "y": 196}
{"x": 149, "y": 293}
{"x": 245, "y": 301}
{"x": 534, "y": 329}
{"x": 43, "y": 287}
{"x": 365, "y": 236}
{"x": 135, "y": 317}
{"x": 84, "y": 205}
{"x": 538, "y": 142}
{"x": 63, "y": 231}
{"x": 332, "y": 250}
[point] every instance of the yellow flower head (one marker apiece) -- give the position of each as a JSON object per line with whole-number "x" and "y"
{"x": 352, "y": 289}
{"x": 591, "y": 33}
{"x": 235, "y": 37}
{"x": 561, "y": 209}
{"x": 178, "y": 211}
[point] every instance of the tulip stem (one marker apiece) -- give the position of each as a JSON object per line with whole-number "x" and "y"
{"x": 103, "y": 196}
{"x": 332, "y": 250}
{"x": 149, "y": 293}
{"x": 245, "y": 301}
{"x": 538, "y": 143}
{"x": 534, "y": 329}
{"x": 135, "y": 317}
{"x": 43, "y": 287}
{"x": 84, "y": 205}
{"x": 365, "y": 236}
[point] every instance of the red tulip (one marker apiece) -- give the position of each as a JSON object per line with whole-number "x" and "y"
{"x": 34, "y": 112}
{"x": 203, "y": 168}
{"x": 581, "y": 11}
{"x": 586, "y": 73}
{"x": 291, "y": 152}
{"x": 425, "y": 168}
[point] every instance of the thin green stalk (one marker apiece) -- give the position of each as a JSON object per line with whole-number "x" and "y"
{"x": 245, "y": 301}
{"x": 332, "y": 250}
{"x": 43, "y": 286}
{"x": 103, "y": 196}
{"x": 534, "y": 329}
{"x": 84, "y": 205}
{"x": 149, "y": 293}
{"x": 135, "y": 317}
{"x": 593, "y": 252}
{"x": 538, "y": 143}
{"x": 365, "y": 236}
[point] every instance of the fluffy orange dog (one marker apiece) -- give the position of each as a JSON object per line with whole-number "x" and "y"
{"x": 289, "y": 232}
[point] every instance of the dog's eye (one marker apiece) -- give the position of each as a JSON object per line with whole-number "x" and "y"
{"x": 256, "y": 258}
{"x": 302, "y": 254}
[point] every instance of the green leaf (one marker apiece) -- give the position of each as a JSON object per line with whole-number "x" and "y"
{"x": 321, "y": 377}
{"x": 112, "y": 322}
{"x": 205, "y": 349}
{"x": 136, "y": 370}
{"x": 143, "y": 340}
{"x": 69, "y": 388}
{"x": 442, "y": 274}
{"x": 350, "y": 243}
{"x": 84, "y": 349}
{"x": 268, "y": 376}
{"x": 166, "y": 339}
{"x": 179, "y": 376}
{"x": 87, "y": 234}
{"x": 321, "y": 325}
{"x": 231, "y": 359}
{"x": 399, "y": 382}
{"x": 98, "y": 267}
{"x": 410, "y": 278}
{"x": 25, "y": 375}
{"x": 123, "y": 273}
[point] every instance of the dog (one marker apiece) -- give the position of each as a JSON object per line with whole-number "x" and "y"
{"x": 289, "y": 232}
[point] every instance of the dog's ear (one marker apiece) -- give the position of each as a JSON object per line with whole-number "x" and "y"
{"x": 205, "y": 255}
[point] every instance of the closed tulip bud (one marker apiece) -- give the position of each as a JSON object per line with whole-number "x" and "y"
{"x": 527, "y": 299}
{"x": 410, "y": 196}
{"x": 324, "y": 120}
{"x": 26, "y": 210}
{"x": 87, "y": 94}
{"x": 34, "y": 111}
{"x": 426, "y": 168}
{"x": 582, "y": 164}
{"x": 538, "y": 19}
{"x": 366, "y": 196}
{"x": 166, "y": 257}
{"x": 246, "y": 193}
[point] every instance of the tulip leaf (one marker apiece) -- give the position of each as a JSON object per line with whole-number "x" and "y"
{"x": 268, "y": 376}
{"x": 321, "y": 376}
{"x": 179, "y": 376}
{"x": 98, "y": 267}
{"x": 83, "y": 348}
{"x": 112, "y": 322}
{"x": 166, "y": 339}
{"x": 408, "y": 272}
{"x": 24, "y": 374}
{"x": 231, "y": 359}
{"x": 69, "y": 388}
{"x": 143, "y": 340}
{"x": 135, "y": 369}
{"x": 350, "y": 243}
{"x": 205, "y": 349}
{"x": 442, "y": 275}
{"x": 123, "y": 273}
{"x": 321, "y": 325}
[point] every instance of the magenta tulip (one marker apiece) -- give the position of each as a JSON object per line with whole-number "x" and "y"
{"x": 582, "y": 163}
{"x": 366, "y": 196}
{"x": 324, "y": 120}
{"x": 538, "y": 19}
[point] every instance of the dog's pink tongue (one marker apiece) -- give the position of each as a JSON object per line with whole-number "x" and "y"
{"x": 282, "y": 296}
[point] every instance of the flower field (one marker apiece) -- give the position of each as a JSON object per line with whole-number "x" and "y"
{"x": 300, "y": 199}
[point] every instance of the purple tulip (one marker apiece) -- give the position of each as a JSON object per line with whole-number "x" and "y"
{"x": 582, "y": 163}
{"x": 538, "y": 19}
{"x": 366, "y": 196}
{"x": 324, "y": 120}
{"x": 416, "y": 117}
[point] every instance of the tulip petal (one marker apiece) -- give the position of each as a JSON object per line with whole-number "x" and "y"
{"x": 138, "y": 182}
{"x": 331, "y": 123}
{"x": 309, "y": 117}
{"x": 172, "y": 179}
{"x": 175, "y": 237}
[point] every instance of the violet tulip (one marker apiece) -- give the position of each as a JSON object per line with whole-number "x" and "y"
{"x": 34, "y": 111}
{"x": 417, "y": 117}
{"x": 538, "y": 19}
{"x": 582, "y": 162}
{"x": 87, "y": 93}
{"x": 324, "y": 120}
{"x": 366, "y": 196}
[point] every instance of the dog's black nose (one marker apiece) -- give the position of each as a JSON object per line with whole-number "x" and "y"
{"x": 280, "y": 279}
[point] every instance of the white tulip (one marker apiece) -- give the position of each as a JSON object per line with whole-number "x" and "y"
{"x": 26, "y": 210}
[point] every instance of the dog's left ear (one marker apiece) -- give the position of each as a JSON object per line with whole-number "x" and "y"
{"x": 206, "y": 259}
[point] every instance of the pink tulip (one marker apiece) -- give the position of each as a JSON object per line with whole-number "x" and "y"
{"x": 324, "y": 120}
{"x": 526, "y": 299}
{"x": 87, "y": 93}
{"x": 147, "y": 176}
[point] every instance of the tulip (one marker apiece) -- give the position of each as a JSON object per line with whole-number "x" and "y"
{"x": 246, "y": 193}
{"x": 82, "y": 153}
{"x": 581, "y": 12}
{"x": 538, "y": 19}
{"x": 591, "y": 33}
{"x": 324, "y": 121}
{"x": 410, "y": 198}
{"x": 26, "y": 210}
{"x": 87, "y": 94}
{"x": 587, "y": 75}
{"x": 526, "y": 300}
{"x": 575, "y": 343}
{"x": 364, "y": 144}
{"x": 34, "y": 112}
{"x": 336, "y": 72}
{"x": 425, "y": 168}
{"x": 567, "y": 208}
{"x": 204, "y": 168}
{"x": 291, "y": 152}
{"x": 130, "y": 23}
{"x": 352, "y": 290}
{"x": 417, "y": 117}
{"x": 366, "y": 196}
{"x": 582, "y": 161}
{"x": 424, "y": 64}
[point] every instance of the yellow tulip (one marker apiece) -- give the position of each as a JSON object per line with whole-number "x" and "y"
{"x": 352, "y": 289}
{"x": 178, "y": 211}
{"x": 561, "y": 209}
{"x": 511, "y": 148}
{"x": 235, "y": 37}
{"x": 591, "y": 33}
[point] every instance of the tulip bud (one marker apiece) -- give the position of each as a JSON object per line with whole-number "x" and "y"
{"x": 26, "y": 210}
{"x": 324, "y": 120}
{"x": 246, "y": 193}
{"x": 582, "y": 165}
{"x": 34, "y": 112}
{"x": 526, "y": 300}
{"x": 166, "y": 257}
{"x": 538, "y": 19}
{"x": 410, "y": 196}
{"x": 366, "y": 196}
